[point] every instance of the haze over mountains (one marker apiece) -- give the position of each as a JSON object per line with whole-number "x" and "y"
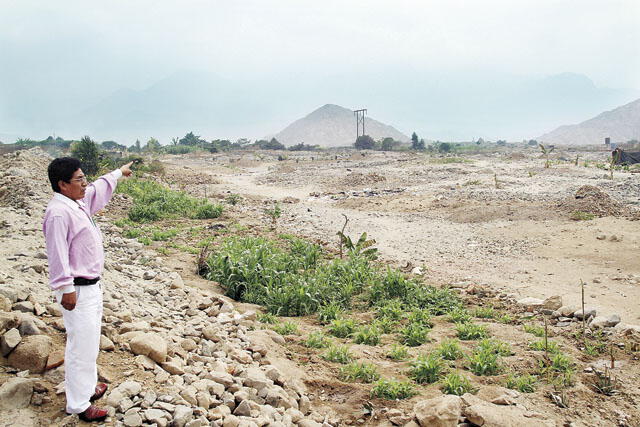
{"x": 621, "y": 125}
{"x": 446, "y": 106}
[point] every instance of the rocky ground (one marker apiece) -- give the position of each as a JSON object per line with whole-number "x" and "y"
{"x": 176, "y": 352}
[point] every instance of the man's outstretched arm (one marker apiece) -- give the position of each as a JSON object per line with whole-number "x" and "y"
{"x": 100, "y": 191}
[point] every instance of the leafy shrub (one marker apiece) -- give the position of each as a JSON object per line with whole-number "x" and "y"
{"x": 160, "y": 235}
{"x": 450, "y": 350}
{"x": 437, "y": 300}
{"x": 414, "y": 335}
{"x": 153, "y": 201}
{"x": 398, "y": 352}
{"x": 459, "y": 315}
{"x": 233, "y": 199}
{"x": 581, "y": 216}
{"x": 132, "y": 233}
{"x": 393, "y": 389}
{"x": 551, "y": 346}
{"x": 359, "y": 371}
{"x": 267, "y": 318}
{"x": 484, "y": 312}
{"x": 286, "y": 328}
{"x": 457, "y": 384}
{"x": 329, "y": 312}
{"x": 471, "y": 331}
{"x": 522, "y": 383}
{"x": 498, "y": 347}
{"x": 426, "y": 369}
{"x": 393, "y": 309}
{"x": 369, "y": 335}
{"x": 144, "y": 240}
{"x": 484, "y": 362}
{"x": 420, "y": 317}
{"x": 317, "y": 340}
{"x": 538, "y": 331}
{"x": 338, "y": 354}
{"x": 392, "y": 284}
{"x": 385, "y": 324}
{"x": 342, "y": 328}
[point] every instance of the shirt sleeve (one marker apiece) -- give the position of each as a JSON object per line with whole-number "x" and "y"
{"x": 55, "y": 233}
{"x": 100, "y": 191}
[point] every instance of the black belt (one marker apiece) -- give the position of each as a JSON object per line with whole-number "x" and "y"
{"x": 81, "y": 281}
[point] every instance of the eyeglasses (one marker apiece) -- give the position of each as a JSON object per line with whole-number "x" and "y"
{"x": 81, "y": 179}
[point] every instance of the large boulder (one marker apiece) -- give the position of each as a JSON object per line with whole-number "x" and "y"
{"x": 32, "y": 353}
{"x": 443, "y": 411}
{"x": 150, "y": 344}
{"x": 16, "y": 393}
{"x": 489, "y": 415}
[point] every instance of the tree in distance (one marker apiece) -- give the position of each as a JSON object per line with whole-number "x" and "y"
{"x": 388, "y": 144}
{"x": 364, "y": 142}
{"x": 153, "y": 145}
{"x": 191, "y": 139}
{"x": 274, "y": 144}
{"x": 88, "y": 153}
{"x": 417, "y": 144}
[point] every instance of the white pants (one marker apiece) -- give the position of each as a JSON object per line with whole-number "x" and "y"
{"x": 83, "y": 325}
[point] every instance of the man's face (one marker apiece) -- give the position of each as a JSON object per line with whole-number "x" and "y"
{"x": 76, "y": 187}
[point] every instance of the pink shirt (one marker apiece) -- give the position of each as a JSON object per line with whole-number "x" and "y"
{"x": 74, "y": 242}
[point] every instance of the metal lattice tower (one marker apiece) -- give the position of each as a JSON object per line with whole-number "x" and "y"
{"x": 359, "y": 119}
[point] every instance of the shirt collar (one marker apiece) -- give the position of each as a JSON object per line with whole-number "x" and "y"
{"x": 67, "y": 201}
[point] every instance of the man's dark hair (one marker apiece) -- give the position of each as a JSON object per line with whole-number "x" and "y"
{"x": 62, "y": 169}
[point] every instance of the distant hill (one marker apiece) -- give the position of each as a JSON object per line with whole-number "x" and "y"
{"x": 621, "y": 124}
{"x": 334, "y": 126}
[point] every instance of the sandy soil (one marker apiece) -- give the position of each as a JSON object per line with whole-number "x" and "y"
{"x": 455, "y": 220}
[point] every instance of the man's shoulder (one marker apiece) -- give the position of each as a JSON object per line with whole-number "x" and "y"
{"x": 57, "y": 208}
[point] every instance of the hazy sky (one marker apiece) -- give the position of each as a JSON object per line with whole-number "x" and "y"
{"x": 135, "y": 42}
{"x": 88, "y": 49}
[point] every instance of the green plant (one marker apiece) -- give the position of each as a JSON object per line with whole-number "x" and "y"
{"x": 426, "y": 369}
{"x": 581, "y": 216}
{"x": 546, "y": 151}
{"x": 338, "y": 354}
{"x": 522, "y": 383}
{"x": 162, "y": 235}
{"x": 144, "y": 240}
{"x": 471, "y": 331}
{"x": 398, "y": 352}
{"x": 132, "y": 233}
{"x": 505, "y": 318}
{"x": 538, "y": 331}
{"x": 457, "y": 384}
{"x": 473, "y": 182}
{"x": 391, "y": 309}
{"x": 267, "y": 318}
{"x": 561, "y": 363}
{"x": 495, "y": 346}
{"x": 87, "y": 151}
{"x": 362, "y": 247}
{"x": 605, "y": 383}
{"x": 459, "y": 315}
{"x": 484, "y": 312}
{"x": 233, "y": 199}
{"x": 484, "y": 362}
{"x": 317, "y": 340}
{"x": 369, "y": 335}
{"x": 329, "y": 312}
{"x": 342, "y": 328}
{"x": 393, "y": 389}
{"x": 359, "y": 371}
{"x": 385, "y": 324}
{"x": 274, "y": 213}
{"x": 540, "y": 345}
{"x": 450, "y": 349}
{"x": 286, "y": 328}
{"x": 414, "y": 335}
{"x": 421, "y": 317}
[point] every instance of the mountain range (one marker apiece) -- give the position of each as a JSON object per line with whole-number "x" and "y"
{"x": 448, "y": 106}
{"x": 621, "y": 125}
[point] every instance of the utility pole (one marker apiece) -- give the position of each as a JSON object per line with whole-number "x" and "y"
{"x": 359, "y": 119}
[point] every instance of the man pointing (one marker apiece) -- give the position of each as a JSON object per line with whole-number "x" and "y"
{"x": 76, "y": 260}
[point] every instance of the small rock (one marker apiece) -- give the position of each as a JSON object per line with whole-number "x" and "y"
{"x": 16, "y": 393}
{"x": 150, "y": 344}
{"x": 9, "y": 341}
{"x": 552, "y": 303}
{"x": 530, "y": 302}
{"x": 605, "y": 321}
{"x": 589, "y": 312}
